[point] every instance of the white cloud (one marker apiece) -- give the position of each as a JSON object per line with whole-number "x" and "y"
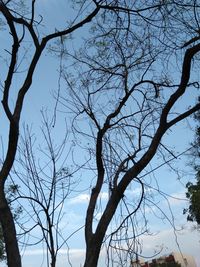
{"x": 177, "y": 199}
{"x": 84, "y": 198}
{"x": 188, "y": 241}
{"x": 103, "y": 196}
{"x": 32, "y": 252}
{"x": 73, "y": 252}
{"x": 185, "y": 239}
{"x": 37, "y": 256}
{"x": 133, "y": 192}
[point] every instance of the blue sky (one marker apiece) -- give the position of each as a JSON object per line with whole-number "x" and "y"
{"x": 40, "y": 97}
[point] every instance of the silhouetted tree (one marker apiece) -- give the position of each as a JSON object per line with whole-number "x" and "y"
{"x": 126, "y": 96}
{"x": 2, "y": 246}
{"x": 46, "y": 184}
{"x": 24, "y": 26}
{"x": 125, "y": 88}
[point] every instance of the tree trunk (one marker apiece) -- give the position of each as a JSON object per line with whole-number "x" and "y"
{"x": 9, "y": 233}
{"x": 92, "y": 254}
{"x": 53, "y": 261}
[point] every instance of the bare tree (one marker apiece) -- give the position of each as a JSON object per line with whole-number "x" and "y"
{"x": 133, "y": 72}
{"x": 22, "y": 23}
{"x": 131, "y": 77}
{"x": 44, "y": 184}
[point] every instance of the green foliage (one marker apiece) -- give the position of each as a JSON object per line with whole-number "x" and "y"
{"x": 193, "y": 194}
{"x": 193, "y": 189}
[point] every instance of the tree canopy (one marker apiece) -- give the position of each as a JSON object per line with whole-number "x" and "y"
{"x": 123, "y": 88}
{"x": 193, "y": 188}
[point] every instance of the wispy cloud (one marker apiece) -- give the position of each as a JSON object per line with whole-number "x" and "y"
{"x": 177, "y": 198}
{"x": 80, "y": 199}
{"x": 84, "y": 198}
{"x": 34, "y": 252}
{"x": 185, "y": 240}
{"x": 72, "y": 252}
